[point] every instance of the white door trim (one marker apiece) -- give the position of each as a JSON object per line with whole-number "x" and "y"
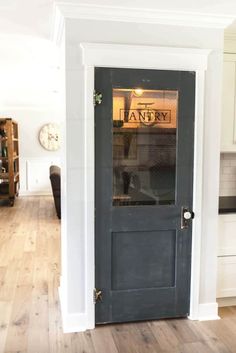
{"x": 145, "y": 57}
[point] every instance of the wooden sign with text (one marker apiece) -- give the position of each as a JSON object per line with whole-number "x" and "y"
{"x": 147, "y": 116}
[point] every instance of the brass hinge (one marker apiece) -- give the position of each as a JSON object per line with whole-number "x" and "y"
{"x": 97, "y": 295}
{"x": 97, "y": 98}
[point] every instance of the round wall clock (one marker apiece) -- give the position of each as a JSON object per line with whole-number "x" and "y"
{"x": 49, "y": 137}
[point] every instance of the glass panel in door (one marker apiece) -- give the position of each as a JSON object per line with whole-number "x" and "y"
{"x": 144, "y": 146}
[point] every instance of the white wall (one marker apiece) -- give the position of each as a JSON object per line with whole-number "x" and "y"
{"x": 30, "y": 93}
{"x": 73, "y": 280}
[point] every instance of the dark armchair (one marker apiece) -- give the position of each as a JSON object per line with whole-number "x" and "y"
{"x": 55, "y": 178}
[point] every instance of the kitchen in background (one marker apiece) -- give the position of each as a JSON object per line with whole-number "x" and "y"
{"x": 226, "y": 281}
{"x": 228, "y": 174}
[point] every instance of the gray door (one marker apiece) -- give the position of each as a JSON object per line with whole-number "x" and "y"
{"x": 144, "y": 133}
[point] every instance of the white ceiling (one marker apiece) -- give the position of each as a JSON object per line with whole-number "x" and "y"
{"x": 26, "y": 17}
{"x": 34, "y": 17}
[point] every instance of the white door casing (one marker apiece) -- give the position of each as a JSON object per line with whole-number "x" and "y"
{"x": 143, "y": 57}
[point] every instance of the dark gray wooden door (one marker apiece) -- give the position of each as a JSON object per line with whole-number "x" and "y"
{"x": 144, "y": 133}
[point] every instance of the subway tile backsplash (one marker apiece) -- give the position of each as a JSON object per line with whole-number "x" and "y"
{"x": 228, "y": 174}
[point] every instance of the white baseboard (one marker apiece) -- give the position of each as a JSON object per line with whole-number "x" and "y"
{"x": 231, "y": 301}
{"x": 72, "y": 322}
{"x": 208, "y": 311}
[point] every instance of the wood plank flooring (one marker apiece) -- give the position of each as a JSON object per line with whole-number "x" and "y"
{"x": 30, "y": 320}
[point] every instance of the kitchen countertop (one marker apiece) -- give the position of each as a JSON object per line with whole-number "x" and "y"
{"x": 227, "y": 204}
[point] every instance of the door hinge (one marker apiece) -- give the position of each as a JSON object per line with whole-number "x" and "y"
{"x": 97, "y": 295}
{"x": 97, "y": 98}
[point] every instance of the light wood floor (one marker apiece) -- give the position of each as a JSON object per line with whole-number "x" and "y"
{"x": 30, "y": 319}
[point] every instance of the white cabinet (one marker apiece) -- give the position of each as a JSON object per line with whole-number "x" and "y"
{"x": 228, "y": 122}
{"x": 226, "y": 281}
{"x": 226, "y": 285}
